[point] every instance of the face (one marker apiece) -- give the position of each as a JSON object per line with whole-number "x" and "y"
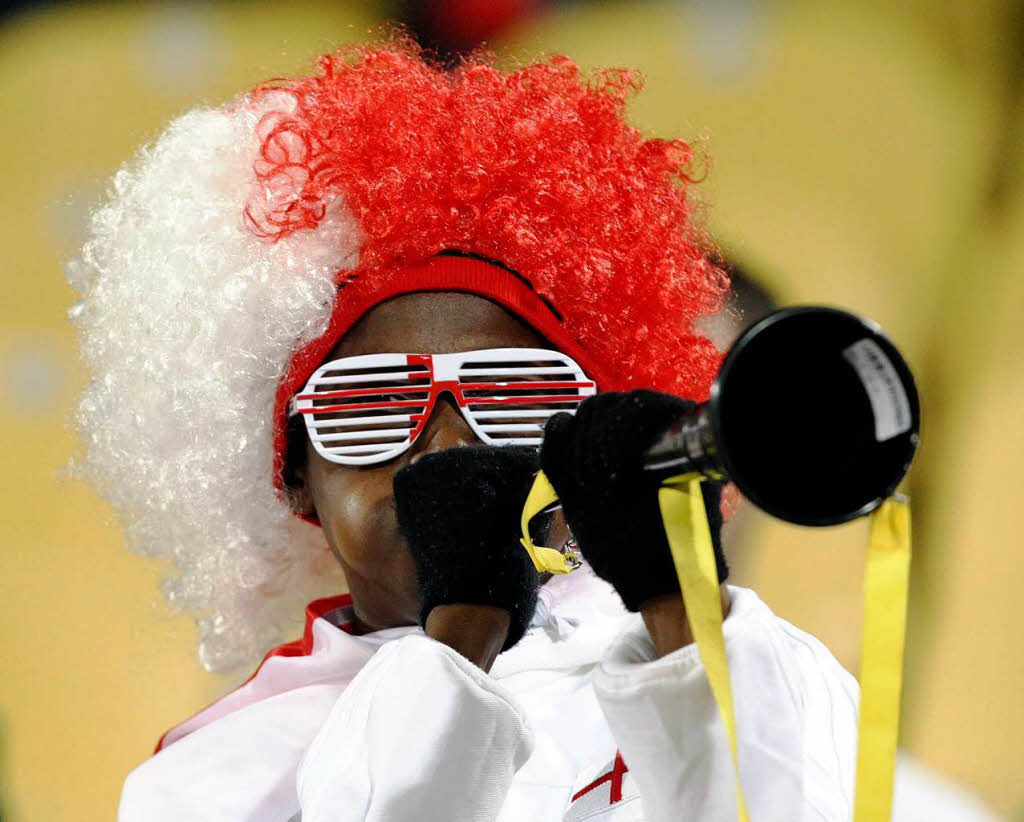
{"x": 355, "y": 505}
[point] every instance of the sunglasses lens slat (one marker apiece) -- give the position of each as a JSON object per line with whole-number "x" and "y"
{"x": 490, "y": 370}
{"x": 385, "y": 377}
{"x": 352, "y": 436}
{"x": 494, "y": 415}
{"x": 374, "y": 448}
{"x": 512, "y": 427}
{"x": 526, "y": 401}
{"x": 338, "y": 421}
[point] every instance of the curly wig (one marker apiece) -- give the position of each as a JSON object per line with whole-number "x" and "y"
{"x": 225, "y": 249}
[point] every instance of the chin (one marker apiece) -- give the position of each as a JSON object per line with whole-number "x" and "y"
{"x": 382, "y": 576}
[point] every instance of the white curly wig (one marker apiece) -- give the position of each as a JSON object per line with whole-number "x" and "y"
{"x": 187, "y": 322}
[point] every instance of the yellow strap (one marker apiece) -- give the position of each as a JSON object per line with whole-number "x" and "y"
{"x": 544, "y": 559}
{"x": 689, "y": 537}
{"x": 881, "y": 659}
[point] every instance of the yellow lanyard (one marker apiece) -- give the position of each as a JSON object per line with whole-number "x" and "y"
{"x": 689, "y": 537}
{"x": 541, "y": 495}
{"x": 881, "y": 658}
{"x": 885, "y": 601}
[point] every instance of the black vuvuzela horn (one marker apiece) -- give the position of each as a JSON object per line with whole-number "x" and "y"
{"x": 814, "y": 415}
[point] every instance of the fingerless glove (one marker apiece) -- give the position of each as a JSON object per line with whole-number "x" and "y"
{"x": 594, "y": 459}
{"x": 459, "y": 511}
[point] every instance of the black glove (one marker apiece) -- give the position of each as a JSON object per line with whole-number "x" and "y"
{"x": 459, "y": 510}
{"x": 595, "y": 462}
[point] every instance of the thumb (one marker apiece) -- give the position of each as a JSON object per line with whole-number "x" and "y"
{"x": 556, "y": 452}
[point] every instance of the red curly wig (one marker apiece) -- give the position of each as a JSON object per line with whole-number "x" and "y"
{"x": 534, "y": 168}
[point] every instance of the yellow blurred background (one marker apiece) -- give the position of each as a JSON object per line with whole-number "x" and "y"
{"x": 864, "y": 155}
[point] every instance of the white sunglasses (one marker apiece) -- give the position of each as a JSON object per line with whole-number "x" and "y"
{"x": 370, "y": 408}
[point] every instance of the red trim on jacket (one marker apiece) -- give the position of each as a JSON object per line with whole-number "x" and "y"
{"x": 297, "y": 647}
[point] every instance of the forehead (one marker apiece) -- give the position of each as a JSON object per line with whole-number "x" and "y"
{"x": 436, "y": 323}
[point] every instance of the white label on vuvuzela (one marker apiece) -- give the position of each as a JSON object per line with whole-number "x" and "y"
{"x": 885, "y": 389}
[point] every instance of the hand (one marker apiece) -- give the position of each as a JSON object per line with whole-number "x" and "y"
{"x": 478, "y": 632}
{"x": 667, "y": 624}
{"x": 459, "y": 511}
{"x": 595, "y": 463}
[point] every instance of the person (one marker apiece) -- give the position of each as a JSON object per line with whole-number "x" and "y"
{"x": 328, "y": 326}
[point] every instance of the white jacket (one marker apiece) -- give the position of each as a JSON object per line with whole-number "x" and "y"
{"x": 579, "y": 721}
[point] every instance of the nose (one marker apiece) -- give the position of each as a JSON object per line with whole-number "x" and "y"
{"x": 445, "y": 428}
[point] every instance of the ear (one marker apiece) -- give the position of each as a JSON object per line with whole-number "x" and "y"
{"x": 300, "y": 495}
{"x": 295, "y": 474}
